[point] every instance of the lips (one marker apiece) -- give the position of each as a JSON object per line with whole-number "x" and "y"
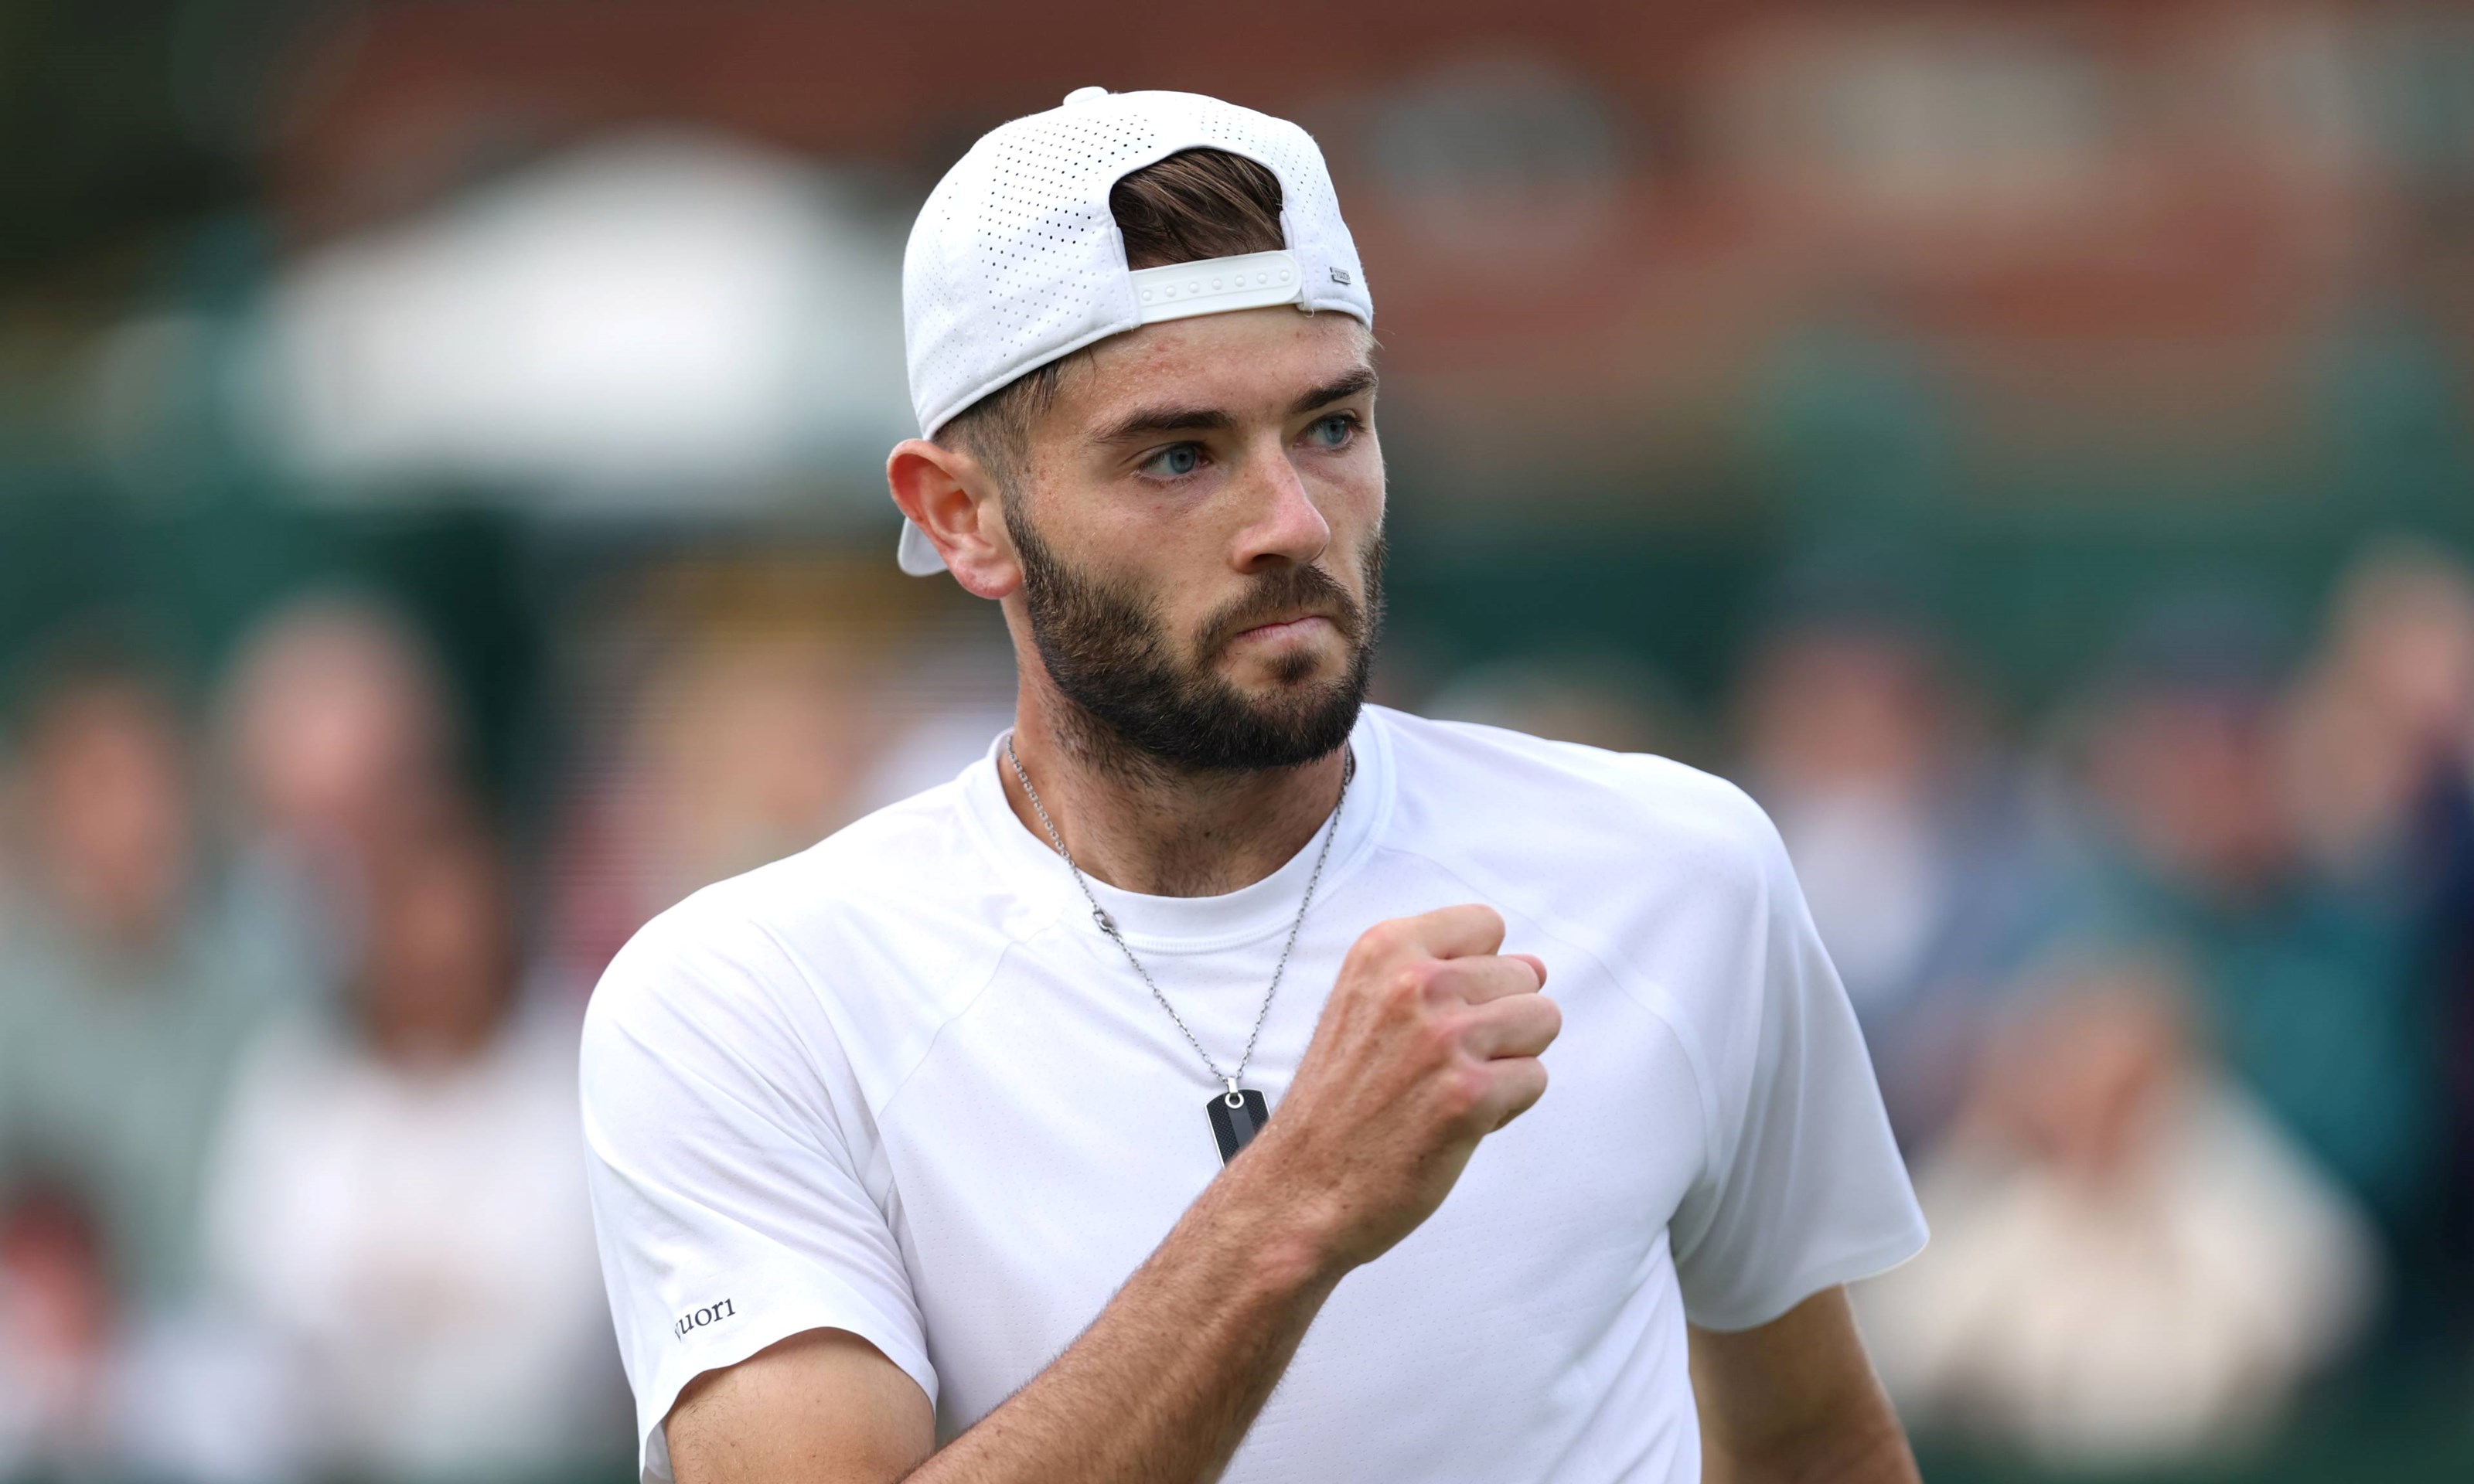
{"x": 1284, "y": 606}
{"x": 1288, "y": 628}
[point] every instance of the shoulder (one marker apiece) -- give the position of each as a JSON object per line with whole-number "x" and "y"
{"x": 864, "y": 936}
{"x": 1562, "y": 808}
{"x": 1671, "y": 881}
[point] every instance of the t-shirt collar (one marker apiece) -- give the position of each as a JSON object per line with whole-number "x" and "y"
{"x": 1191, "y": 924}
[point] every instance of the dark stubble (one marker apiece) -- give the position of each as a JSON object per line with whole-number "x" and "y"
{"x": 1143, "y": 699}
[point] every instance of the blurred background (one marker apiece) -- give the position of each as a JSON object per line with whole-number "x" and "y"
{"x": 442, "y": 524}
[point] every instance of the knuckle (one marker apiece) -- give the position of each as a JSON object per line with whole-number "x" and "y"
{"x": 1412, "y": 982}
{"x": 1392, "y": 998}
{"x": 1370, "y": 969}
{"x": 1465, "y": 1088}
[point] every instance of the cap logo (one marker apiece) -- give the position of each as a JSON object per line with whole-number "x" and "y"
{"x": 1339, "y": 276}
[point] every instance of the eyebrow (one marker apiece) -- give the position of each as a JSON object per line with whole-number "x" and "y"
{"x": 1145, "y": 421}
{"x": 1150, "y": 421}
{"x": 1351, "y": 384}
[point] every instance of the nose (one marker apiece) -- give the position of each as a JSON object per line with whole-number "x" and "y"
{"x": 1285, "y": 526}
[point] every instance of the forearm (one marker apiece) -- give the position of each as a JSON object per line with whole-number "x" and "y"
{"x": 1164, "y": 1383}
{"x": 1795, "y": 1402}
{"x": 1864, "y": 1446}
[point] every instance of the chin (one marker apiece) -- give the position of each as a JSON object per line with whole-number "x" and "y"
{"x": 1287, "y": 676}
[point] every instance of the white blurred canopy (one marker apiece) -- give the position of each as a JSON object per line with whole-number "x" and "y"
{"x": 657, "y": 321}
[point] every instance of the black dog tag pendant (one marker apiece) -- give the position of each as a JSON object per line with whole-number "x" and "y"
{"x": 1237, "y": 1115}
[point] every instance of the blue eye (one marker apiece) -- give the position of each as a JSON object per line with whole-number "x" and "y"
{"x": 1174, "y": 461}
{"x": 1334, "y": 431}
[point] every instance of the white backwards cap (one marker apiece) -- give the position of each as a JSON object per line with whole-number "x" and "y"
{"x": 1016, "y": 260}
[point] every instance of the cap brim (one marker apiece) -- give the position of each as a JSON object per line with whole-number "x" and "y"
{"x": 916, "y": 554}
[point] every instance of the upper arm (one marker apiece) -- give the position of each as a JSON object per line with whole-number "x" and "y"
{"x": 1804, "y": 1186}
{"x": 726, "y": 1145}
{"x": 1780, "y": 1399}
{"x": 821, "y": 1407}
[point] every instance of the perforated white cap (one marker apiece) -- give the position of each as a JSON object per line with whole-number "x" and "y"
{"x": 1016, "y": 260}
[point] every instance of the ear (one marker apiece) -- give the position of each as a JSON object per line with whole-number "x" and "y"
{"x": 950, "y": 496}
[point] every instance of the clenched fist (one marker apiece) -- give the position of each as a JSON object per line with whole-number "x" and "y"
{"x": 1429, "y": 1042}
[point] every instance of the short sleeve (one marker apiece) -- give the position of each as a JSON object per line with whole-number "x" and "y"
{"x": 1804, "y": 1187}
{"x": 726, "y": 1155}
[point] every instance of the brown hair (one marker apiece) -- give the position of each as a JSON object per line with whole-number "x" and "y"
{"x": 1194, "y": 205}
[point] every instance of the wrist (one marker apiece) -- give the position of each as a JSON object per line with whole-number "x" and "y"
{"x": 1293, "y": 1236}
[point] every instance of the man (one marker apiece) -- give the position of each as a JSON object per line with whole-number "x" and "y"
{"x": 938, "y": 1152}
{"x": 127, "y": 988}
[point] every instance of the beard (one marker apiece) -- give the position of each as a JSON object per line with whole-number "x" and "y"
{"x": 1135, "y": 699}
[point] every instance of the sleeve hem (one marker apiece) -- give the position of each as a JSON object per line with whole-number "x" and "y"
{"x": 654, "y": 1453}
{"x": 1864, "y": 1263}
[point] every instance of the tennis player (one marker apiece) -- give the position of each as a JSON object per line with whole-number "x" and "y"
{"x": 1224, "y": 1078}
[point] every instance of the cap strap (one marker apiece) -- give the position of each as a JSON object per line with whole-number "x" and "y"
{"x": 1216, "y": 285}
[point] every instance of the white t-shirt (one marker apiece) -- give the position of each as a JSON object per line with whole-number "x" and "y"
{"x": 901, "y": 1084}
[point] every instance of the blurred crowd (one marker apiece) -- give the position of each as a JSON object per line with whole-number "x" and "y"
{"x": 2170, "y": 991}
{"x": 288, "y": 1137}
{"x": 2172, "y": 1006}
{"x": 568, "y": 332}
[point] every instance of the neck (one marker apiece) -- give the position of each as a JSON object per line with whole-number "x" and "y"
{"x": 1142, "y": 825}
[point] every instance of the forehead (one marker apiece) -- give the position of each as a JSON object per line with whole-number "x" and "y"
{"x": 1250, "y": 363}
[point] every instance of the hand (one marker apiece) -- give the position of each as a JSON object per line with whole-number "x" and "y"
{"x": 1429, "y": 1042}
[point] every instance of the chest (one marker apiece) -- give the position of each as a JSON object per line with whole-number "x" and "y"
{"x": 1058, "y": 1131}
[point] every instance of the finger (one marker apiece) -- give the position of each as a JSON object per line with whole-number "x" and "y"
{"x": 1520, "y": 1025}
{"x": 1458, "y": 932}
{"x": 1519, "y": 1081}
{"x": 1477, "y": 980}
{"x": 1534, "y": 962}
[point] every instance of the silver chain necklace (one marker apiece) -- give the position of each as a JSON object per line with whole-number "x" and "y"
{"x": 1238, "y": 1115}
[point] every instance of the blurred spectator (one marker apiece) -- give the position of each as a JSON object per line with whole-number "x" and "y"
{"x": 57, "y": 1317}
{"x": 747, "y": 745}
{"x": 2380, "y": 766}
{"x": 399, "y": 1205}
{"x": 2131, "y": 1263}
{"x": 754, "y": 746}
{"x": 2310, "y": 992}
{"x": 126, "y": 990}
{"x": 1918, "y": 851}
{"x": 2381, "y": 727}
{"x": 338, "y": 734}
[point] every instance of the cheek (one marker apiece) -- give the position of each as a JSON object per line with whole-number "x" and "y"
{"x": 1124, "y": 532}
{"x": 1354, "y": 507}
{"x": 1346, "y": 491}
